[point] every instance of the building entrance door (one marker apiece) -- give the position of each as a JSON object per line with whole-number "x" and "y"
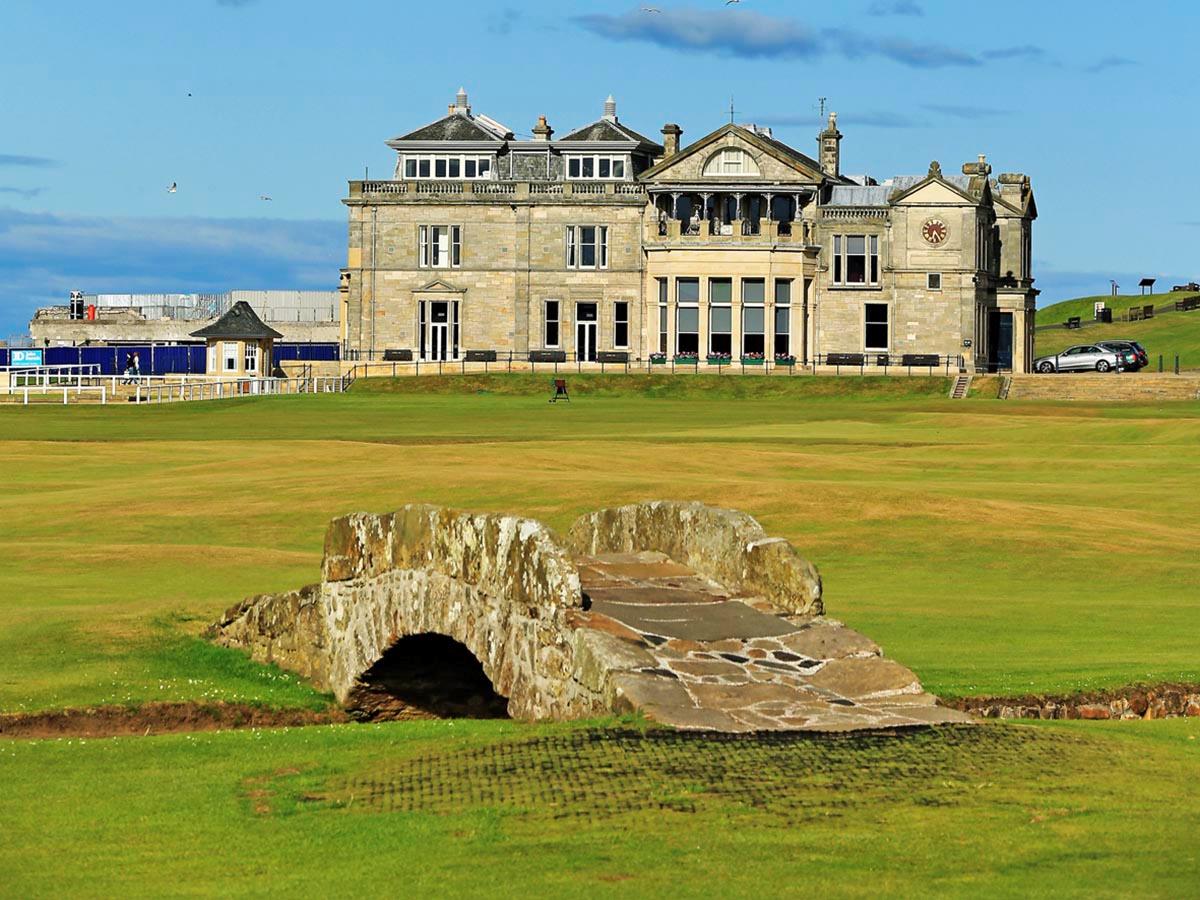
{"x": 1000, "y": 353}
{"x": 439, "y": 330}
{"x": 586, "y": 325}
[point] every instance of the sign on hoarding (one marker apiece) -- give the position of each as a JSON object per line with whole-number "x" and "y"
{"x": 26, "y": 358}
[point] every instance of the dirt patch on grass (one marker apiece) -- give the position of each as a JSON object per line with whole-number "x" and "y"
{"x": 1162, "y": 701}
{"x": 158, "y": 718}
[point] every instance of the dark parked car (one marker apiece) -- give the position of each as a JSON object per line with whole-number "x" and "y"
{"x": 1135, "y": 354}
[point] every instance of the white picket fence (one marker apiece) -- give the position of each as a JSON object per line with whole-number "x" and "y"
{"x": 85, "y": 384}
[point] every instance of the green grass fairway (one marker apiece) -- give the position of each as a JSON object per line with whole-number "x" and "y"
{"x": 997, "y": 548}
{"x": 490, "y": 809}
{"x": 1167, "y": 335}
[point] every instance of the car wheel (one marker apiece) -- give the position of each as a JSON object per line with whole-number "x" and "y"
{"x": 1103, "y": 366}
{"x": 1046, "y": 368}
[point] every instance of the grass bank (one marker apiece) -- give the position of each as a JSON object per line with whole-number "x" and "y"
{"x": 497, "y": 809}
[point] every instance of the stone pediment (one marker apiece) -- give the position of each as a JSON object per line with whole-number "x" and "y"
{"x": 437, "y": 286}
{"x": 770, "y": 161}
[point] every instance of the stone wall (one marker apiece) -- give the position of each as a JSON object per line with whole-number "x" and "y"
{"x": 53, "y": 324}
{"x": 499, "y": 585}
{"x": 728, "y": 546}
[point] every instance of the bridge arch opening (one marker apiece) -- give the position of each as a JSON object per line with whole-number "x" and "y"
{"x": 426, "y": 676}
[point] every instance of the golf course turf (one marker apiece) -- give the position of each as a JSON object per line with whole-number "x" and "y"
{"x": 997, "y": 548}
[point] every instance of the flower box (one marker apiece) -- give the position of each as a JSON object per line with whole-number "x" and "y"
{"x": 719, "y": 360}
{"x": 785, "y": 360}
{"x": 658, "y": 359}
{"x": 752, "y": 361}
{"x": 687, "y": 360}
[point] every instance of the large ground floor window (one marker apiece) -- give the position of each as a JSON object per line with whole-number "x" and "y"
{"x": 687, "y": 317}
{"x": 754, "y": 338}
{"x": 720, "y": 317}
{"x": 783, "y": 318}
{"x": 877, "y": 331}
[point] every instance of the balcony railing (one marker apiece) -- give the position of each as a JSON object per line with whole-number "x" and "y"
{"x": 626, "y": 191}
{"x": 675, "y": 231}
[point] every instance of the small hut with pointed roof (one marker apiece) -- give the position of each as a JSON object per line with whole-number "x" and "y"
{"x": 239, "y": 343}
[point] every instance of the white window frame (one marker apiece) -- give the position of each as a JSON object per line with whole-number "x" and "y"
{"x": 618, "y": 305}
{"x": 412, "y": 165}
{"x": 887, "y": 325}
{"x": 575, "y": 243}
{"x": 250, "y": 357}
{"x": 588, "y": 166}
{"x": 229, "y": 355}
{"x": 431, "y": 252}
{"x": 930, "y": 278}
{"x": 731, "y": 162}
{"x": 546, "y": 320}
{"x": 839, "y": 264}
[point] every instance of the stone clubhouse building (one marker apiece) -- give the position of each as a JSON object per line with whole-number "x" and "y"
{"x": 603, "y": 244}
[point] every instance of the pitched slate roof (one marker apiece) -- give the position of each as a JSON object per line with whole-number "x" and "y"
{"x": 608, "y": 130}
{"x": 240, "y": 323}
{"x": 456, "y": 127}
{"x": 859, "y": 195}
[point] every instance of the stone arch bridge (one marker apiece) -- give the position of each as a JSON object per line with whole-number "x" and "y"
{"x": 690, "y": 614}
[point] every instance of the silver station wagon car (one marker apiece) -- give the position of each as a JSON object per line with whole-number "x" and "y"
{"x": 1081, "y": 358}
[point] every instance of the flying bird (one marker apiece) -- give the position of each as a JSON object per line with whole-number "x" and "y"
{"x": 263, "y": 197}
{"x": 731, "y": 2}
{"x": 173, "y": 188}
{"x": 651, "y": 9}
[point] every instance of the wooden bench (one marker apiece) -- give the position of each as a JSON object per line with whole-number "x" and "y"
{"x": 613, "y": 356}
{"x": 1135, "y": 313}
{"x": 397, "y": 356}
{"x": 1148, "y": 311}
{"x": 921, "y": 360}
{"x": 1073, "y": 322}
{"x": 480, "y": 356}
{"x": 547, "y": 356}
{"x": 1187, "y": 305}
{"x": 845, "y": 359}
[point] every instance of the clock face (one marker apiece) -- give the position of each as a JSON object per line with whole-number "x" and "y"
{"x": 935, "y": 232}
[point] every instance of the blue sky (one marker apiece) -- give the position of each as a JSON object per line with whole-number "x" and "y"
{"x": 292, "y": 98}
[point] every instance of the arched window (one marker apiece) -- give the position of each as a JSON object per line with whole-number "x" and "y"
{"x": 731, "y": 161}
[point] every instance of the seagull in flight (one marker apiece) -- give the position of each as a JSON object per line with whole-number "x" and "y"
{"x": 263, "y": 197}
{"x": 651, "y": 9}
{"x": 173, "y": 188}
{"x": 732, "y": 2}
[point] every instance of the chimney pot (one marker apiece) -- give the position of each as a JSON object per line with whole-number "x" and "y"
{"x": 542, "y": 130}
{"x": 610, "y": 109}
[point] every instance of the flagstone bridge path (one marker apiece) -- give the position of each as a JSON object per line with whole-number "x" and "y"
{"x": 688, "y": 614}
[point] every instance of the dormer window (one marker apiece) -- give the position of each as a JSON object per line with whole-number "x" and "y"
{"x": 440, "y": 166}
{"x": 596, "y": 167}
{"x": 731, "y": 161}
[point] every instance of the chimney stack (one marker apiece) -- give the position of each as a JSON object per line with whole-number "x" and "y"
{"x": 542, "y": 130}
{"x": 671, "y": 135}
{"x": 610, "y": 109}
{"x": 977, "y": 168}
{"x": 829, "y": 144}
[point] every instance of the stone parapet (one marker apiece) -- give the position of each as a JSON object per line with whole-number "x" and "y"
{"x": 725, "y": 545}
